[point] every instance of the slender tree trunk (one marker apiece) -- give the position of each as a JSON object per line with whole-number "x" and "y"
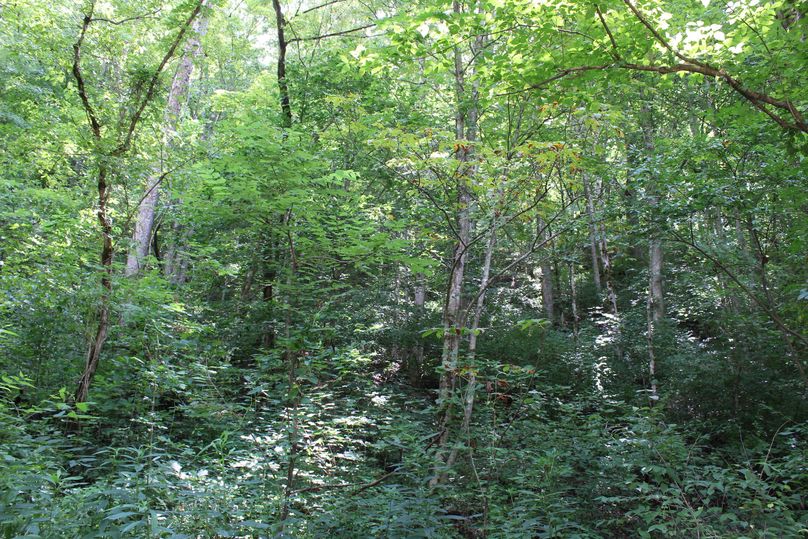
{"x": 107, "y": 254}
{"x": 466, "y": 136}
{"x": 268, "y": 297}
{"x": 395, "y": 349}
{"x": 606, "y": 257}
{"x": 656, "y": 301}
{"x": 547, "y": 286}
{"x": 144, "y": 225}
{"x": 762, "y": 259}
{"x": 611, "y": 293}
{"x": 416, "y": 361}
{"x": 593, "y": 236}
{"x": 286, "y": 122}
{"x": 291, "y": 356}
{"x": 471, "y": 387}
{"x": 283, "y": 87}
{"x": 655, "y": 309}
{"x": 574, "y": 300}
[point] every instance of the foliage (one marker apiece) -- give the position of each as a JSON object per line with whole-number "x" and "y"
{"x": 422, "y": 301}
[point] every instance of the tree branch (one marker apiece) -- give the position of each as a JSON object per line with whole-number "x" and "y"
{"x": 560, "y": 75}
{"x": 615, "y": 52}
{"x": 537, "y": 243}
{"x": 693, "y": 65}
{"x": 334, "y": 34}
{"x": 124, "y": 146}
{"x": 315, "y": 8}
{"x": 129, "y": 19}
{"x": 95, "y": 126}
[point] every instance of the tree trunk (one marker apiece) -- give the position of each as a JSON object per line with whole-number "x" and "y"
{"x": 471, "y": 387}
{"x": 611, "y": 294}
{"x": 547, "y": 286}
{"x": 291, "y": 357}
{"x": 416, "y": 361}
{"x": 268, "y": 297}
{"x": 141, "y": 237}
{"x": 107, "y": 254}
{"x": 655, "y": 257}
{"x": 466, "y": 136}
{"x": 655, "y": 305}
{"x": 593, "y": 236}
{"x": 573, "y": 300}
{"x": 283, "y": 87}
{"x": 144, "y": 225}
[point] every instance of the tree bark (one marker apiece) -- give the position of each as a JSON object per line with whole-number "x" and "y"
{"x": 611, "y": 292}
{"x": 547, "y": 286}
{"x": 574, "y": 300}
{"x": 283, "y": 87}
{"x": 655, "y": 304}
{"x": 593, "y": 236}
{"x": 416, "y": 361}
{"x": 141, "y": 238}
{"x": 105, "y": 157}
{"x": 107, "y": 253}
{"x": 291, "y": 357}
{"x": 471, "y": 386}
{"x": 656, "y": 308}
{"x": 465, "y": 135}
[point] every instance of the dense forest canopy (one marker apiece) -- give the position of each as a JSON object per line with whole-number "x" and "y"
{"x": 382, "y": 268}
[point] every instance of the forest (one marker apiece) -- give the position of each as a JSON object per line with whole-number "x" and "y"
{"x": 401, "y": 269}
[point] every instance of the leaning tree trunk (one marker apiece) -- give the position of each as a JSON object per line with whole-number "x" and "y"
{"x": 107, "y": 253}
{"x": 144, "y": 226}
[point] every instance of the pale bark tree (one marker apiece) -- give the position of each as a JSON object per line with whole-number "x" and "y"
{"x": 547, "y": 273}
{"x": 611, "y": 291}
{"x": 465, "y": 135}
{"x": 144, "y": 226}
{"x": 105, "y": 160}
{"x": 471, "y": 387}
{"x": 593, "y": 235}
{"x": 573, "y": 299}
{"x": 416, "y": 360}
{"x": 656, "y": 301}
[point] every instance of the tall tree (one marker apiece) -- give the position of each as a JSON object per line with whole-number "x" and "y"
{"x": 177, "y": 95}
{"x": 105, "y": 162}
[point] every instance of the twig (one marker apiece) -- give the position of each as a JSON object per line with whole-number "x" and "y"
{"x": 128, "y": 19}
{"x": 333, "y": 34}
